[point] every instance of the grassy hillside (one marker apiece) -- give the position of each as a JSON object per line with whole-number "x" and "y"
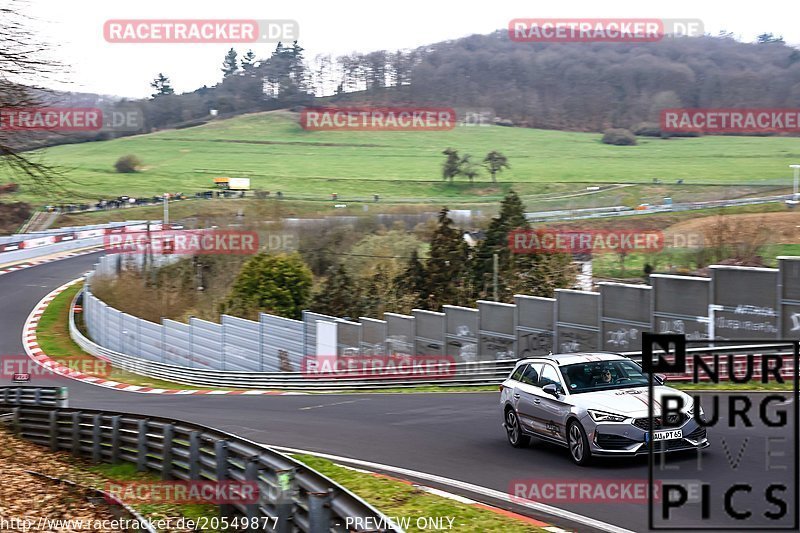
{"x": 278, "y": 155}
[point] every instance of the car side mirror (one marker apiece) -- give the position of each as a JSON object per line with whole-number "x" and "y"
{"x": 551, "y": 389}
{"x": 662, "y": 378}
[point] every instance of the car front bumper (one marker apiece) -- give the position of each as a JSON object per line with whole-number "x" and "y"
{"x": 626, "y": 439}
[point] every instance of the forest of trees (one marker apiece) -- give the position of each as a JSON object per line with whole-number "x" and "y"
{"x": 441, "y": 268}
{"x": 364, "y": 269}
{"x": 591, "y": 86}
{"x": 565, "y": 86}
{"x": 571, "y": 86}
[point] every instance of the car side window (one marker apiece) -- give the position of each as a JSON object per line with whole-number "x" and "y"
{"x": 517, "y": 374}
{"x": 549, "y": 375}
{"x": 531, "y": 375}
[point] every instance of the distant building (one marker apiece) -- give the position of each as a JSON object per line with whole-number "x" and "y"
{"x": 473, "y": 237}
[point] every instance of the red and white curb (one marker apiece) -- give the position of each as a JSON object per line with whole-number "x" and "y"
{"x": 35, "y": 352}
{"x": 36, "y": 262}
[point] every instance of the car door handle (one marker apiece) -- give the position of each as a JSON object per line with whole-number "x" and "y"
{"x": 516, "y": 396}
{"x": 537, "y": 400}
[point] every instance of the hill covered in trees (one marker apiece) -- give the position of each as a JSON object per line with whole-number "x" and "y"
{"x": 566, "y": 86}
{"x": 589, "y": 86}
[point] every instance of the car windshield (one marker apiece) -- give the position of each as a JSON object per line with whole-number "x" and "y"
{"x": 603, "y": 375}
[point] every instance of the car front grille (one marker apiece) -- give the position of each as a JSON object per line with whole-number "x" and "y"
{"x": 614, "y": 442}
{"x": 644, "y": 423}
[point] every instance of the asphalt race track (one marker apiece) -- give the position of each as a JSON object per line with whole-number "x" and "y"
{"x": 454, "y": 435}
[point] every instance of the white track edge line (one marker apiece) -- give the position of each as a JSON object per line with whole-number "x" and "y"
{"x": 491, "y": 493}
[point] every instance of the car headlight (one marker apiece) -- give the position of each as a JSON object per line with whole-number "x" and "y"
{"x": 691, "y": 411}
{"x": 601, "y": 416}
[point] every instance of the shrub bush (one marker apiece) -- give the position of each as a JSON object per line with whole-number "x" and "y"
{"x": 619, "y": 137}
{"x": 127, "y": 164}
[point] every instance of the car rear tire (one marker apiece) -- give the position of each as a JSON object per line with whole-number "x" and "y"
{"x": 514, "y": 431}
{"x": 578, "y": 444}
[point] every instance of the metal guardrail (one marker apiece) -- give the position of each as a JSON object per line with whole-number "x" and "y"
{"x": 292, "y": 496}
{"x": 603, "y": 212}
{"x": 39, "y": 396}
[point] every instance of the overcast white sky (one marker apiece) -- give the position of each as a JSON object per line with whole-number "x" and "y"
{"x": 74, "y": 29}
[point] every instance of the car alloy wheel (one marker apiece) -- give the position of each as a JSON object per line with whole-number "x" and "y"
{"x": 514, "y": 432}
{"x": 578, "y": 444}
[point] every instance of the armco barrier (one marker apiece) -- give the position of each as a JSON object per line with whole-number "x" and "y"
{"x": 39, "y": 396}
{"x": 21, "y": 247}
{"x": 292, "y": 496}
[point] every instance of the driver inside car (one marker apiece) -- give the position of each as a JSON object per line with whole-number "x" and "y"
{"x": 604, "y": 378}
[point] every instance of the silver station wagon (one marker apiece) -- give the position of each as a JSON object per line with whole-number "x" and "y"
{"x": 594, "y": 404}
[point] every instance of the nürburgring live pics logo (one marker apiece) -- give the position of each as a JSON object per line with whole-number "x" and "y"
{"x": 747, "y": 480}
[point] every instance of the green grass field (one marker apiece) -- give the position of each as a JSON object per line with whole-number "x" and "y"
{"x": 278, "y": 155}
{"x": 610, "y": 266}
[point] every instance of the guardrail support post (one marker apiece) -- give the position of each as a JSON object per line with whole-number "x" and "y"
{"x": 319, "y": 511}
{"x": 115, "y": 421}
{"x": 221, "y": 459}
{"x": 76, "y": 433}
{"x": 16, "y": 427}
{"x": 194, "y": 455}
{"x": 251, "y": 509}
{"x": 166, "y": 451}
{"x": 284, "y": 505}
{"x": 62, "y": 397}
{"x": 52, "y": 417}
{"x": 96, "y": 428}
{"x": 141, "y": 445}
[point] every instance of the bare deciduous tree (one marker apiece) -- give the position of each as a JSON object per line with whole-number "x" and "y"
{"x": 23, "y": 66}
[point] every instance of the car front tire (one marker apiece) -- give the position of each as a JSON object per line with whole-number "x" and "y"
{"x": 578, "y": 444}
{"x": 514, "y": 431}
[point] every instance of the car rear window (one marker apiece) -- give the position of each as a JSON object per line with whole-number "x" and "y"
{"x": 517, "y": 374}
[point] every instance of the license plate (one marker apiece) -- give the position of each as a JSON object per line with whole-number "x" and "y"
{"x": 669, "y": 434}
